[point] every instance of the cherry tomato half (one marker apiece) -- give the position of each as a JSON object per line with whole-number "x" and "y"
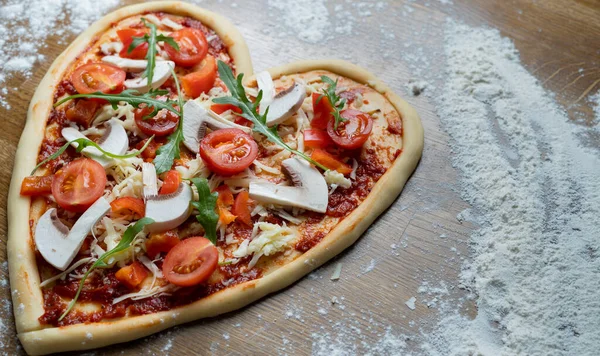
{"x": 126, "y": 37}
{"x": 161, "y": 124}
{"x": 202, "y": 79}
{"x": 128, "y": 204}
{"x": 79, "y": 184}
{"x": 322, "y": 110}
{"x": 192, "y": 47}
{"x": 92, "y": 77}
{"x": 171, "y": 182}
{"x": 316, "y": 139}
{"x": 190, "y": 262}
{"x": 228, "y": 151}
{"x": 353, "y": 132}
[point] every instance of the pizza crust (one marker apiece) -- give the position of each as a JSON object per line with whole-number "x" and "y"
{"x": 23, "y": 270}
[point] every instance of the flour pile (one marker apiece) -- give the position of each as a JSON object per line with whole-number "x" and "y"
{"x": 24, "y": 26}
{"x": 535, "y": 193}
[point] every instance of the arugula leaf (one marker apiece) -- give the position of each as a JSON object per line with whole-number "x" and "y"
{"x": 166, "y": 154}
{"x": 151, "y": 39}
{"x": 85, "y": 142}
{"x": 238, "y": 98}
{"x": 206, "y": 205}
{"x": 125, "y": 242}
{"x": 129, "y": 96}
{"x": 336, "y": 102}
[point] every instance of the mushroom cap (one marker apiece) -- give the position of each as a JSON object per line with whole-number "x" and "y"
{"x": 265, "y": 83}
{"x": 162, "y": 72}
{"x": 170, "y": 210}
{"x": 56, "y": 243}
{"x": 114, "y": 140}
{"x": 285, "y": 104}
{"x": 127, "y": 64}
{"x": 309, "y": 191}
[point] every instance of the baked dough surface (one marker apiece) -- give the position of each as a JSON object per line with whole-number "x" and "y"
{"x": 24, "y": 277}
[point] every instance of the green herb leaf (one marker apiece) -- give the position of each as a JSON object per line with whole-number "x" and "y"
{"x": 167, "y": 153}
{"x": 125, "y": 242}
{"x": 336, "y": 102}
{"x": 131, "y": 97}
{"x": 206, "y": 205}
{"x": 238, "y": 98}
{"x": 85, "y": 142}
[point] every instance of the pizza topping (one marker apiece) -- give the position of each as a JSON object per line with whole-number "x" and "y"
{"x": 315, "y": 138}
{"x": 159, "y": 124}
{"x": 265, "y": 83}
{"x": 137, "y": 51}
{"x": 271, "y": 240}
{"x": 171, "y": 182}
{"x": 205, "y": 207}
{"x": 196, "y": 120}
{"x": 241, "y": 208}
{"x": 109, "y": 48}
{"x": 333, "y": 177}
{"x": 285, "y": 104}
{"x": 353, "y": 132}
{"x": 128, "y": 205}
{"x": 129, "y": 65}
{"x": 335, "y": 101}
{"x": 309, "y": 191}
{"x": 322, "y": 111}
{"x": 170, "y": 210}
{"x": 79, "y": 184}
{"x": 98, "y": 77}
{"x": 161, "y": 242}
{"x": 114, "y": 141}
{"x": 192, "y": 47}
{"x": 149, "y": 180}
{"x": 190, "y": 262}
{"x": 330, "y": 161}
{"x": 36, "y": 185}
{"x": 56, "y": 243}
{"x": 228, "y": 151}
{"x": 202, "y": 79}
{"x": 132, "y": 275}
{"x": 83, "y": 112}
{"x": 162, "y": 72}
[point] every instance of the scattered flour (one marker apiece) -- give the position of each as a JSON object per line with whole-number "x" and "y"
{"x": 595, "y": 101}
{"x": 535, "y": 194}
{"x": 25, "y": 24}
{"x": 411, "y": 303}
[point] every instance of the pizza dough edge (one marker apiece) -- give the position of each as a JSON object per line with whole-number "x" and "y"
{"x": 24, "y": 279}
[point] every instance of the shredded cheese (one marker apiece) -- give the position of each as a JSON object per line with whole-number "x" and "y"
{"x": 334, "y": 177}
{"x": 271, "y": 240}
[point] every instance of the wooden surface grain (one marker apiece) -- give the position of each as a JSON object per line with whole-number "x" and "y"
{"x": 419, "y": 239}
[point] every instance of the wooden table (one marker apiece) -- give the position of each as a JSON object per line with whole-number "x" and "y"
{"x": 419, "y": 238}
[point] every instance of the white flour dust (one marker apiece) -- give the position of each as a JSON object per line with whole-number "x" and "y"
{"x": 535, "y": 194}
{"x": 25, "y": 24}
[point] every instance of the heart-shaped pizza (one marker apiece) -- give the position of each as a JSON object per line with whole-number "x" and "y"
{"x": 157, "y": 181}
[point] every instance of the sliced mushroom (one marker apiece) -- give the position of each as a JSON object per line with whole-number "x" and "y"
{"x": 265, "y": 83}
{"x": 162, "y": 72}
{"x": 109, "y": 48}
{"x": 129, "y": 65}
{"x": 309, "y": 191}
{"x": 195, "y": 121}
{"x": 56, "y": 243}
{"x": 169, "y": 210}
{"x": 149, "y": 180}
{"x": 285, "y": 104}
{"x": 114, "y": 140}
